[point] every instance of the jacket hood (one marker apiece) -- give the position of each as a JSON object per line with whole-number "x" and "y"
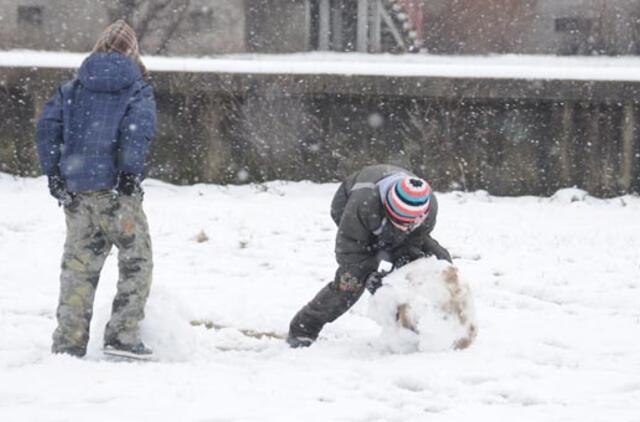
{"x": 108, "y": 72}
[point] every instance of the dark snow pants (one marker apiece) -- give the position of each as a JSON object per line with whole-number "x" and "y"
{"x": 335, "y": 298}
{"x": 331, "y": 302}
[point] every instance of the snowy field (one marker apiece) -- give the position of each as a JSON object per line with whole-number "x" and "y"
{"x": 557, "y": 294}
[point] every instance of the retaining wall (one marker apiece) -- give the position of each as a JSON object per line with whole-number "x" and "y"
{"x": 508, "y": 136}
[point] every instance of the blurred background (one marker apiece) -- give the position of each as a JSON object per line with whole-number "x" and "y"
{"x": 508, "y": 135}
{"x": 206, "y": 27}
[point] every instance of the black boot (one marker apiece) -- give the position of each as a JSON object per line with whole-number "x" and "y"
{"x": 297, "y": 342}
{"x": 326, "y": 306}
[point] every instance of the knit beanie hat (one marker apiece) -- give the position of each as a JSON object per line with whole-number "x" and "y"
{"x": 407, "y": 201}
{"x": 121, "y": 38}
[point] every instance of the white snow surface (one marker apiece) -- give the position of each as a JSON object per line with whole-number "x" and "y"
{"x": 531, "y": 67}
{"x": 555, "y": 282}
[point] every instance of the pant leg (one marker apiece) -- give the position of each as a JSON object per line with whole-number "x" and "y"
{"x": 85, "y": 250}
{"x": 129, "y": 230}
{"x": 331, "y": 302}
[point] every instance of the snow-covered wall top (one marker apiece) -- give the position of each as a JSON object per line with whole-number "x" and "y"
{"x": 624, "y": 69}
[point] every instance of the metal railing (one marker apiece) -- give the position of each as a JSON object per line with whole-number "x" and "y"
{"x": 381, "y": 26}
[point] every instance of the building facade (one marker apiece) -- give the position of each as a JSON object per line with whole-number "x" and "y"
{"x": 567, "y": 27}
{"x": 183, "y": 27}
{"x": 208, "y": 27}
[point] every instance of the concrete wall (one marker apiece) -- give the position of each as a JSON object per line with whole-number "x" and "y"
{"x": 510, "y": 137}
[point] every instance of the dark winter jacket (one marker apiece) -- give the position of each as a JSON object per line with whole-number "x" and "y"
{"x": 98, "y": 124}
{"x": 363, "y": 228}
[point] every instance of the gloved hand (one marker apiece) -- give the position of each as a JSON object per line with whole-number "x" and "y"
{"x": 434, "y": 248}
{"x": 58, "y": 190}
{"x": 407, "y": 255}
{"x": 374, "y": 281}
{"x": 128, "y": 184}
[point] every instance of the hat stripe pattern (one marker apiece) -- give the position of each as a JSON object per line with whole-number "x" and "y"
{"x": 408, "y": 200}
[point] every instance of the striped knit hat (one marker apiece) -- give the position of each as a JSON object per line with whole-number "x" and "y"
{"x": 407, "y": 202}
{"x": 119, "y": 37}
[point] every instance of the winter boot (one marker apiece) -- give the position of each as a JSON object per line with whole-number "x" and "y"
{"x": 299, "y": 342}
{"x": 77, "y": 352}
{"x": 137, "y": 351}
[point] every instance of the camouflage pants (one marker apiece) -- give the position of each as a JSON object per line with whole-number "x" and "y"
{"x": 95, "y": 222}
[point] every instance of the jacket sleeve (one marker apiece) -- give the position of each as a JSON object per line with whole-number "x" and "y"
{"x": 137, "y": 128}
{"x": 354, "y": 251}
{"x": 49, "y": 131}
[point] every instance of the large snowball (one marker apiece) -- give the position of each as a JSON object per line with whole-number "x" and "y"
{"x": 425, "y": 306}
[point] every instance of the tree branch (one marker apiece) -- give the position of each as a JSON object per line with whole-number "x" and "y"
{"x": 173, "y": 27}
{"x": 154, "y": 9}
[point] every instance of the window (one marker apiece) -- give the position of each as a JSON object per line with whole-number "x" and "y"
{"x": 30, "y": 15}
{"x": 573, "y": 25}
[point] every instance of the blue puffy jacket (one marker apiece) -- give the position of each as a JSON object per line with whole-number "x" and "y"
{"x": 98, "y": 124}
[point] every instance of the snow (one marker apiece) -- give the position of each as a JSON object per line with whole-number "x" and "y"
{"x": 530, "y": 67}
{"x": 555, "y": 285}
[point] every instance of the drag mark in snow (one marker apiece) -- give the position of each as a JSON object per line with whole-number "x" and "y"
{"x": 210, "y": 325}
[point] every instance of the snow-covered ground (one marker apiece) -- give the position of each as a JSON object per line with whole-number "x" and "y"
{"x": 530, "y": 67}
{"x": 555, "y": 280}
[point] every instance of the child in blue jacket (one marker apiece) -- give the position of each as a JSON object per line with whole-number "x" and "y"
{"x": 93, "y": 136}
